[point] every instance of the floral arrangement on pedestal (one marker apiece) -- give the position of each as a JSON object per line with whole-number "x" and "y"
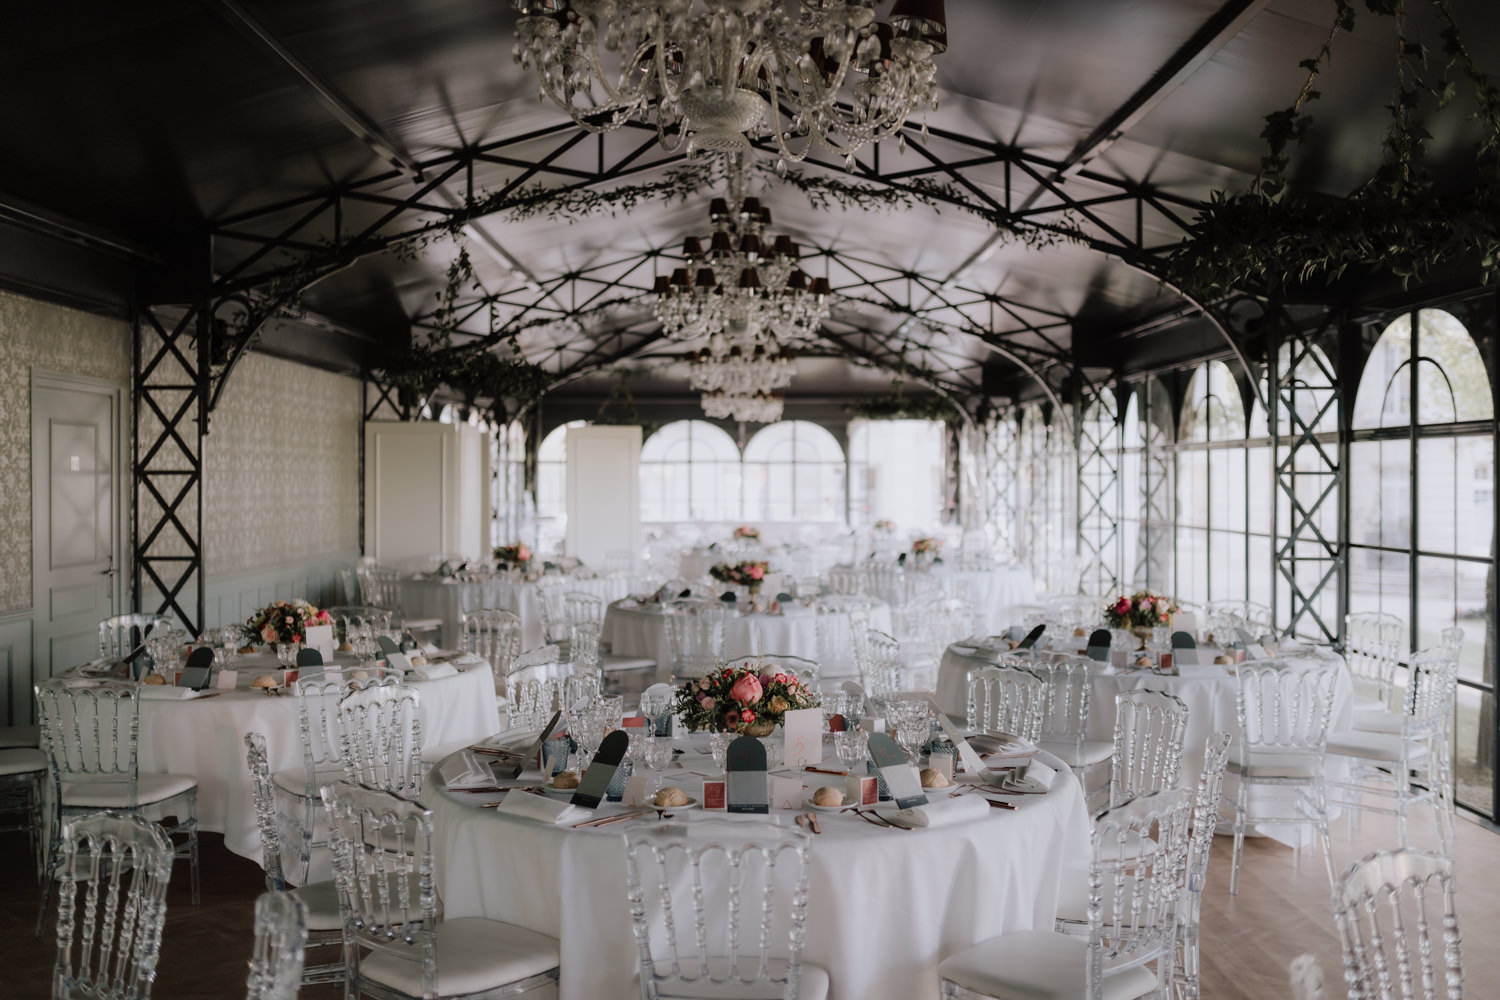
{"x": 284, "y": 622}
{"x": 748, "y": 700}
{"x": 747, "y": 532}
{"x": 1140, "y": 610}
{"x": 514, "y": 556}
{"x": 750, "y": 573}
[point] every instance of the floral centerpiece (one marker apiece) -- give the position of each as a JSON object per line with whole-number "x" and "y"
{"x": 285, "y": 622}
{"x": 747, "y": 532}
{"x": 926, "y": 546}
{"x": 514, "y": 556}
{"x": 750, "y": 573}
{"x": 884, "y": 527}
{"x": 1140, "y": 610}
{"x": 748, "y": 700}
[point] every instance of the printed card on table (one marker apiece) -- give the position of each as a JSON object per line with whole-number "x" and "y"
{"x": 1098, "y": 648}
{"x": 803, "y": 729}
{"x": 228, "y": 679}
{"x": 862, "y": 789}
{"x": 745, "y": 785}
{"x": 1185, "y": 621}
{"x": 900, "y": 777}
{"x": 966, "y": 752}
{"x": 786, "y": 793}
{"x": 320, "y": 637}
{"x": 713, "y": 794}
{"x": 595, "y": 781}
{"x": 635, "y": 790}
{"x": 398, "y": 661}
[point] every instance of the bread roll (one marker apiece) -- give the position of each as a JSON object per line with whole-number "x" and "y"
{"x": 153, "y": 679}
{"x": 565, "y": 779}
{"x": 828, "y": 796}
{"x": 246, "y": 650}
{"x": 419, "y": 661}
{"x": 933, "y": 778}
{"x": 670, "y": 796}
{"x": 1079, "y": 632}
{"x": 1143, "y": 661}
{"x": 346, "y": 647}
{"x": 1222, "y": 659}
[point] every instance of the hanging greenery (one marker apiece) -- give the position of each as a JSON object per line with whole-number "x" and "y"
{"x": 898, "y": 406}
{"x": 1399, "y": 220}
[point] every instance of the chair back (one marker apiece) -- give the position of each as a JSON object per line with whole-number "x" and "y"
{"x": 383, "y": 892}
{"x": 845, "y": 580}
{"x": 1372, "y": 650}
{"x": 1008, "y": 699}
{"x": 318, "y": 724}
{"x": 381, "y": 732}
{"x": 1306, "y": 975}
{"x": 552, "y": 603}
{"x": 1285, "y": 708}
{"x": 357, "y": 614}
{"x": 1133, "y": 889}
{"x": 1396, "y": 917}
{"x": 1430, "y": 692}
{"x": 697, "y": 641}
{"x": 882, "y": 581}
{"x": 280, "y": 946}
{"x": 1075, "y": 611}
{"x": 120, "y": 634}
{"x": 1065, "y": 718}
{"x": 494, "y": 634}
{"x": 380, "y": 588}
{"x": 880, "y": 671}
{"x": 1224, "y": 618}
{"x": 263, "y": 798}
{"x": 838, "y": 619}
{"x": 1206, "y": 808}
{"x": 583, "y": 608}
{"x": 1149, "y": 729}
{"x": 108, "y": 946}
{"x": 90, "y": 733}
{"x": 718, "y": 908}
{"x": 1452, "y": 639}
{"x": 583, "y": 645}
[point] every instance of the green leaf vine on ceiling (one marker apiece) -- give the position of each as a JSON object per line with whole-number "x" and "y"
{"x": 1400, "y": 220}
{"x": 899, "y": 406}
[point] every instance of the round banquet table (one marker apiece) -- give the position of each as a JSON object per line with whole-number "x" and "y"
{"x": 450, "y": 600}
{"x": 205, "y": 736}
{"x": 997, "y": 593}
{"x": 886, "y": 906}
{"x": 631, "y": 629}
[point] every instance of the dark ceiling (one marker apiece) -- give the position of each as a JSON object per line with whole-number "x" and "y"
{"x": 139, "y": 129}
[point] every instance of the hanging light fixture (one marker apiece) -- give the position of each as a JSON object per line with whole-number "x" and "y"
{"x": 712, "y": 74}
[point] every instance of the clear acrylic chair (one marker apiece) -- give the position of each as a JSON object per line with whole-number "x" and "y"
{"x": 396, "y": 945}
{"x": 1372, "y": 650}
{"x": 839, "y": 618}
{"x": 1008, "y": 699}
{"x": 881, "y": 669}
{"x": 697, "y": 637}
{"x": 108, "y": 946}
{"x": 552, "y": 604}
{"x": 321, "y": 927}
{"x": 1150, "y": 727}
{"x": 494, "y": 634}
{"x": 1407, "y": 767}
{"x": 277, "y": 955}
{"x": 1283, "y": 712}
{"x": 845, "y": 580}
{"x": 1132, "y": 921}
{"x": 1224, "y": 618}
{"x": 120, "y": 634}
{"x": 583, "y": 646}
{"x": 1200, "y": 847}
{"x": 1399, "y": 928}
{"x": 534, "y": 689}
{"x": 90, "y": 736}
{"x": 744, "y": 891}
{"x": 1065, "y": 718}
{"x": 22, "y": 772}
{"x": 380, "y": 729}
{"x": 583, "y": 608}
{"x": 1306, "y": 976}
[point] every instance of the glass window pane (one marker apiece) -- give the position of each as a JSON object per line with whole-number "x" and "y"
{"x": 1437, "y": 494}
{"x": 1474, "y": 749}
{"x": 1192, "y": 488}
{"x": 1442, "y": 338}
{"x": 1474, "y": 495}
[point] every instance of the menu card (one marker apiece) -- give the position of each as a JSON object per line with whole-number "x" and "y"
{"x": 595, "y": 782}
{"x": 900, "y": 777}
{"x": 745, "y": 785}
{"x": 320, "y": 637}
{"x": 803, "y": 732}
{"x": 1032, "y": 637}
{"x": 1098, "y": 648}
{"x": 1184, "y": 649}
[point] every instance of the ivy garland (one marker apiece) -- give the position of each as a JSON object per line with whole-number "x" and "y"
{"x": 1272, "y": 236}
{"x": 898, "y": 406}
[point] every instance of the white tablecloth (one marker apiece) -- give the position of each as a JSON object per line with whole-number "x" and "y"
{"x": 886, "y": 906}
{"x": 635, "y": 631}
{"x": 451, "y": 599}
{"x": 206, "y": 737}
{"x": 997, "y": 593}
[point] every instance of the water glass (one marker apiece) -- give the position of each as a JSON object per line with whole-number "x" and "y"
{"x": 656, "y": 706}
{"x": 718, "y": 745}
{"x": 657, "y": 754}
{"x": 852, "y": 747}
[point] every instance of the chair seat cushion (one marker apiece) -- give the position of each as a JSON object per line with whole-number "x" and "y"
{"x": 20, "y": 736}
{"x": 1075, "y": 754}
{"x": 1369, "y": 703}
{"x": 473, "y": 954}
{"x": 1268, "y": 764}
{"x": 1373, "y": 746}
{"x": 22, "y": 761}
{"x": 812, "y": 985}
{"x": 293, "y": 780}
{"x": 1378, "y": 722}
{"x": 322, "y": 899}
{"x": 1038, "y": 965}
{"x": 115, "y": 794}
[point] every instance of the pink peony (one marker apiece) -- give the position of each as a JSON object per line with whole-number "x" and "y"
{"x": 746, "y": 690}
{"x": 757, "y": 572}
{"x": 1123, "y": 608}
{"x": 523, "y": 553}
{"x": 268, "y": 633}
{"x": 324, "y": 617}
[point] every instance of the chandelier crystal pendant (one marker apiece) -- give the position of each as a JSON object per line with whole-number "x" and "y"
{"x": 712, "y": 74}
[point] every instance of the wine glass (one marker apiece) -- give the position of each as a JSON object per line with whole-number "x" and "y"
{"x": 654, "y": 706}
{"x": 852, "y": 747}
{"x": 718, "y": 745}
{"x": 657, "y": 754}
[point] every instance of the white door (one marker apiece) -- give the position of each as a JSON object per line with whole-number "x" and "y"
{"x": 604, "y": 498}
{"x": 75, "y": 507}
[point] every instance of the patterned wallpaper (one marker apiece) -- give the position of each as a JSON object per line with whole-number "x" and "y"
{"x": 281, "y": 467}
{"x": 42, "y": 335}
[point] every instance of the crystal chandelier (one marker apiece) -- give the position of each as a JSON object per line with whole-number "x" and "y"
{"x": 711, "y": 74}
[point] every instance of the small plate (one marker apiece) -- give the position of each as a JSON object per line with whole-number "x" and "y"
{"x": 558, "y": 792}
{"x": 691, "y": 803}
{"x": 808, "y": 803}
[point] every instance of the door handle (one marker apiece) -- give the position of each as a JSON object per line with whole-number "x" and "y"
{"x": 109, "y": 584}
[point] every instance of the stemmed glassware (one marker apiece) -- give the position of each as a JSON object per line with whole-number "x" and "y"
{"x": 655, "y": 706}
{"x": 1160, "y": 642}
{"x": 852, "y": 746}
{"x": 718, "y": 745}
{"x": 910, "y": 726}
{"x": 656, "y": 754}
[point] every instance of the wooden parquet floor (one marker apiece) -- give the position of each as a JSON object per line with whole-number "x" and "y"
{"x": 1248, "y": 939}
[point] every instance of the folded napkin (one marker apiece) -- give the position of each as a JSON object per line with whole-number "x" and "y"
{"x": 943, "y": 812}
{"x": 430, "y": 648}
{"x": 432, "y": 671}
{"x": 1036, "y": 772}
{"x": 542, "y": 809}
{"x": 467, "y": 659}
{"x": 465, "y": 770}
{"x": 166, "y": 692}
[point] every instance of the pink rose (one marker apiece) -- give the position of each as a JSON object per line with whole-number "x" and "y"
{"x": 523, "y": 553}
{"x": 746, "y": 690}
{"x": 1123, "y": 608}
{"x": 1145, "y": 605}
{"x": 703, "y": 683}
{"x": 708, "y": 704}
{"x": 268, "y": 634}
{"x": 757, "y": 572}
{"x": 781, "y": 678}
{"x": 324, "y": 617}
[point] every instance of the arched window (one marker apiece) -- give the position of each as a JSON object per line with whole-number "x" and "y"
{"x": 552, "y": 487}
{"x": 690, "y": 471}
{"x": 896, "y": 472}
{"x": 1422, "y": 508}
{"x": 794, "y": 471}
{"x": 508, "y": 497}
{"x": 1212, "y": 538}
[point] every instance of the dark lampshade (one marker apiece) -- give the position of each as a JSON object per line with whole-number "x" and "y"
{"x": 750, "y": 207}
{"x": 924, "y": 19}
{"x": 750, "y": 245}
{"x": 797, "y": 280}
{"x": 765, "y": 217}
{"x": 785, "y": 247}
{"x": 662, "y": 285}
{"x": 750, "y": 279}
{"x": 720, "y": 243}
{"x": 820, "y": 287}
{"x": 692, "y": 247}
{"x": 706, "y": 280}
{"x": 717, "y": 209}
{"x": 679, "y": 277}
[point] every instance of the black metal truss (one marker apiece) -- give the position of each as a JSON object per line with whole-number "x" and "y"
{"x": 1097, "y": 446}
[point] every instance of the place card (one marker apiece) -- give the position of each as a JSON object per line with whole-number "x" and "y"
{"x": 635, "y": 790}
{"x": 966, "y": 752}
{"x": 1032, "y": 638}
{"x": 228, "y": 679}
{"x": 943, "y": 764}
{"x": 836, "y": 723}
{"x": 1185, "y": 621}
{"x": 633, "y": 722}
{"x": 803, "y": 732}
{"x": 713, "y": 794}
{"x": 1184, "y": 649}
{"x": 289, "y": 677}
{"x": 387, "y": 645}
{"x": 594, "y": 785}
{"x": 320, "y": 637}
{"x": 1098, "y": 648}
{"x": 745, "y": 784}
{"x": 533, "y": 756}
{"x": 1253, "y": 650}
{"x": 862, "y": 789}
{"x": 786, "y": 793}
{"x": 398, "y": 661}
{"x": 900, "y": 777}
